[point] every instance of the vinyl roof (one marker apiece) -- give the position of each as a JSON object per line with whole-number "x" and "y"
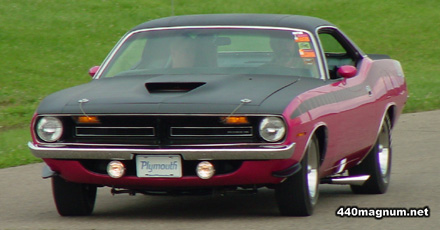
{"x": 269, "y": 20}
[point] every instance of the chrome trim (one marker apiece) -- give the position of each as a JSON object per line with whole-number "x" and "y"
{"x": 207, "y": 128}
{"x": 323, "y": 58}
{"x": 270, "y": 152}
{"x": 110, "y": 135}
{"x": 163, "y": 114}
{"x": 217, "y": 145}
{"x": 358, "y": 180}
{"x": 309, "y": 139}
{"x": 341, "y": 166}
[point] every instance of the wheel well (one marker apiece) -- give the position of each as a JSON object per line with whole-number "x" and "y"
{"x": 321, "y": 134}
{"x": 391, "y": 114}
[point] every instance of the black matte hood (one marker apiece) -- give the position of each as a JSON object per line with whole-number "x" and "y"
{"x": 159, "y": 94}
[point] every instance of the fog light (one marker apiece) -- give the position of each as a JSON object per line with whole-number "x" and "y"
{"x": 205, "y": 170}
{"x": 116, "y": 169}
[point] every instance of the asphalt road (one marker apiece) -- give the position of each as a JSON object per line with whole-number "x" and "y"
{"x": 26, "y": 199}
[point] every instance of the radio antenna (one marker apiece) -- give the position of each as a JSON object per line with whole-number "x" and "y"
{"x": 81, "y": 102}
{"x": 243, "y": 102}
{"x": 172, "y": 7}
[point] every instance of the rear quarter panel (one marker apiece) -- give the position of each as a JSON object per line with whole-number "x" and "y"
{"x": 350, "y": 110}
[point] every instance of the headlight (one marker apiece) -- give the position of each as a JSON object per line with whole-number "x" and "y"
{"x": 49, "y": 129}
{"x": 272, "y": 129}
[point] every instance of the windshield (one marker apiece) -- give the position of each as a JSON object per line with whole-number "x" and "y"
{"x": 214, "y": 51}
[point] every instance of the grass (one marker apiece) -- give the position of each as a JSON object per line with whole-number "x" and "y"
{"x": 48, "y": 45}
{"x": 14, "y": 150}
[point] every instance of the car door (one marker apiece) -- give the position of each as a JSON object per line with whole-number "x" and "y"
{"x": 353, "y": 128}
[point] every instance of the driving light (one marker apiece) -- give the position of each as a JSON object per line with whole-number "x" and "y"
{"x": 205, "y": 170}
{"x": 49, "y": 129}
{"x": 272, "y": 129}
{"x": 116, "y": 169}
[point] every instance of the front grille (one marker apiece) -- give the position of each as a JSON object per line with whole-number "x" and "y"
{"x": 114, "y": 132}
{"x": 160, "y": 130}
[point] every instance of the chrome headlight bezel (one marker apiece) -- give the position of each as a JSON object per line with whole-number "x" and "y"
{"x": 272, "y": 129}
{"x": 49, "y": 129}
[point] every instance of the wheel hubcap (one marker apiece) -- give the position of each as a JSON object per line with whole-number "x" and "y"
{"x": 312, "y": 173}
{"x": 384, "y": 154}
{"x": 312, "y": 178}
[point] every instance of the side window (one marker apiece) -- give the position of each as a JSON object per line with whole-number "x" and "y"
{"x": 337, "y": 51}
{"x": 331, "y": 45}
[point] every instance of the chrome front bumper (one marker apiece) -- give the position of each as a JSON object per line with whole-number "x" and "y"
{"x": 120, "y": 153}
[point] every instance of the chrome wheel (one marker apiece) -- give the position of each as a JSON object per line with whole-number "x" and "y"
{"x": 384, "y": 156}
{"x": 299, "y": 193}
{"x": 377, "y": 164}
{"x": 312, "y": 173}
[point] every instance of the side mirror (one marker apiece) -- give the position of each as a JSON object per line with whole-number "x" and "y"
{"x": 347, "y": 71}
{"x": 93, "y": 70}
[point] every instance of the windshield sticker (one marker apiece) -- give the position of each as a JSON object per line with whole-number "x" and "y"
{"x": 307, "y": 53}
{"x": 304, "y": 45}
{"x": 301, "y": 37}
{"x": 309, "y": 61}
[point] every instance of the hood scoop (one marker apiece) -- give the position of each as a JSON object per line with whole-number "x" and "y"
{"x": 172, "y": 87}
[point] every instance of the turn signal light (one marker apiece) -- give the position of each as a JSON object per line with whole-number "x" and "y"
{"x": 88, "y": 120}
{"x": 235, "y": 120}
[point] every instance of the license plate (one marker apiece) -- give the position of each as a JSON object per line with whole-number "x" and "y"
{"x": 162, "y": 166}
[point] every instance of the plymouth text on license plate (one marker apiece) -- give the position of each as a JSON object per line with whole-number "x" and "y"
{"x": 158, "y": 166}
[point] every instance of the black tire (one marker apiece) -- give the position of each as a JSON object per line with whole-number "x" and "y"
{"x": 73, "y": 199}
{"x": 298, "y": 194}
{"x": 377, "y": 164}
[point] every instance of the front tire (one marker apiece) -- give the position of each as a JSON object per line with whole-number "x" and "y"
{"x": 377, "y": 164}
{"x": 73, "y": 199}
{"x": 298, "y": 194}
